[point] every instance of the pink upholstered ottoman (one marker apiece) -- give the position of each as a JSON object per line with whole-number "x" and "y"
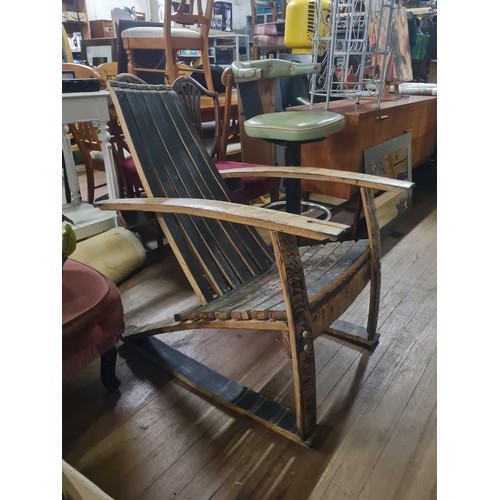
{"x": 92, "y": 320}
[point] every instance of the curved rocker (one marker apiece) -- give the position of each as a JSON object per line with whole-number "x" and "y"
{"x": 240, "y": 281}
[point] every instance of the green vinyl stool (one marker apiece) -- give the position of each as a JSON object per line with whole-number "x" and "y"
{"x": 256, "y": 82}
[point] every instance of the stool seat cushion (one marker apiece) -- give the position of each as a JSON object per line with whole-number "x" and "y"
{"x": 294, "y": 126}
{"x": 157, "y": 32}
{"x": 270, "y": 41}
{"x": 92, "y": 315}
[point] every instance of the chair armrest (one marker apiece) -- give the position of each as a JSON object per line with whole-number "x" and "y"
{"x": 263, "y": 218}
{"x": 323, "y": 175}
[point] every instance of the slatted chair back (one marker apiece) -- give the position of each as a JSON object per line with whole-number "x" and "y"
{"x": 173, "y": 162}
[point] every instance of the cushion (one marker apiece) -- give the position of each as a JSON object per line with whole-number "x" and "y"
{"x": 265, "y": 29}
{"x": 130, "y": 173}
{"x": 157, "y": 32}
{"x": 115, "y": 253}
{"x": 92, "y": 315}
{"x": 269, "y": 41}
{"x": 253, "y": 186}
{"x": 296, "y": 126}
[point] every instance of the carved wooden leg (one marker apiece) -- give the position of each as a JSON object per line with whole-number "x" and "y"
{"x": 108, "y": 376}
{"x": 131, "y": 61}
{"x": 171, "y": 66}
{"x": 89, "y": 172}
{"x": 300, "y": 330}
{"x": 205, "y": 61}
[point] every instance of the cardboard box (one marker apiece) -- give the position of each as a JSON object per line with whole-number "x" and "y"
{"x": 68, "y": 15}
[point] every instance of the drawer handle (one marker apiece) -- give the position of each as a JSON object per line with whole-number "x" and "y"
{"x": 382, "y": 117}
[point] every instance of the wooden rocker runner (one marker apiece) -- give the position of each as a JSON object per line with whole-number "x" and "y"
{"x": 240, "y": 280}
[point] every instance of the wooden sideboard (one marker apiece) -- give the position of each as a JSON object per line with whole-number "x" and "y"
{"x": 367, "y": 126}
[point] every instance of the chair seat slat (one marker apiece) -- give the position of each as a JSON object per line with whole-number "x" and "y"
{"x": 262, "y": 298}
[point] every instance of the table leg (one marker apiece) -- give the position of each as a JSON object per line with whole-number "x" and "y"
{"x": 107, "y": 156}
{"x": 71, "y": 175}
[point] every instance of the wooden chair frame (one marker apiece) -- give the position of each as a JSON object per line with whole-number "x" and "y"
{"x": 270, "y": 4}
{"x": 188, "y": 15}
{"x": 302, "y": 291}
{"x": 190, "y": 91}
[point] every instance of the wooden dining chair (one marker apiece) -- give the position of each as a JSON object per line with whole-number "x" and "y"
{"x": 214, "y": 136}
{"x": 241, "y": 281}
{"x": 267, "y": 37}
{"x": 186, "y": 28}
{"x": 85, "y": 136}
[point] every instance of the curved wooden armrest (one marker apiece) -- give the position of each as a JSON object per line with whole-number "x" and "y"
{"x": 321, "y": 174}
{"x": 264, "y": 218}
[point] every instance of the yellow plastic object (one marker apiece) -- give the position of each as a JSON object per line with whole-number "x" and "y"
{"x": 300, "y": 24}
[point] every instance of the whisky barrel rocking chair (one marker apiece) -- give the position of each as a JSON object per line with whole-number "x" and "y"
{"x": 241, "y": 281}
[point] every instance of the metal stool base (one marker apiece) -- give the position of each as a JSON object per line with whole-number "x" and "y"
{"x": 307, "y": 208}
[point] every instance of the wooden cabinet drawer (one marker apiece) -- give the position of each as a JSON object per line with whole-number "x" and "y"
{"x": 102, "y": 29}
{"x": 366, "y": 127}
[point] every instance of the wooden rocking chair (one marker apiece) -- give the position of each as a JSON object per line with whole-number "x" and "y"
{"x": 299, "y": 291}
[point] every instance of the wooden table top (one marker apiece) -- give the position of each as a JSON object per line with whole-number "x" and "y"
{"x": 349, "y": 106}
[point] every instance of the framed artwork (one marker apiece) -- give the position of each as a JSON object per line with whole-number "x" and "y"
{"x": 395, "y": 43}
{"x": 390, "y": 159}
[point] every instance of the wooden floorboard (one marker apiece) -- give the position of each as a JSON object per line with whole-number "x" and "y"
{"x": 157, "y": 439}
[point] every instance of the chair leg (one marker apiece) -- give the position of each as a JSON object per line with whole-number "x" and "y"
{"x": 67, "y": 190}
{"x": 300, "y": 331}
{"x": 89, "y": 171}
{"x": 108, "y": 364}
{"x": 130, "y": 61}
{"x": 171, "y": 65}
{"x": 205, "y": 61}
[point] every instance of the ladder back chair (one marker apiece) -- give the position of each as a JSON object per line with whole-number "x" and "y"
{"x": 186, "y": 28}
{"x": 241, "y": 281}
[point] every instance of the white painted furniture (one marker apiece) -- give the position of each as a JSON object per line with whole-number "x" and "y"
{"x": 80, "y": 107}
{"x": 236, "y": 40}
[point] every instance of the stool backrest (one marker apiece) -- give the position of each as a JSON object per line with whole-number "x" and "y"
{"x": 256, "y": 82}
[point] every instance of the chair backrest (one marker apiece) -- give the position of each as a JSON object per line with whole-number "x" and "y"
{"x": 266, "y": 5}
{"x": 85, "y": 135}
{"x": 173, "y": 162}
{"x": 256, "y": 82}
{"x": 189, "y": 13}
{"x": 230, "y": 130}
{"x": 190, "y": 93}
